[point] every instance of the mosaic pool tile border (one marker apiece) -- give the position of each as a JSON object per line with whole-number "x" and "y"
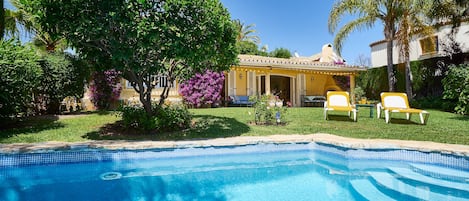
{"x": 349, "y": 155}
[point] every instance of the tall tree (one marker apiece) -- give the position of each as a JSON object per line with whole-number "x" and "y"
{"x": 413, "y": 22}
{"x": 26, "y": 17}
{"x": 141, "y": 39}
{"x": 368, "y": 12}
{"x": 450, "y": 10}
{"x": 245, "y": 32}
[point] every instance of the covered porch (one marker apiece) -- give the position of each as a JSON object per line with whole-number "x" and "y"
{"x": 289, "y": 79}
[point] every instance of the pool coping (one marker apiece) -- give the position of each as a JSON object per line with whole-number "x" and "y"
{"x": 352, "y": 143}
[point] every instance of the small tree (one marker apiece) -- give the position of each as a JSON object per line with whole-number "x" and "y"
{"x": 281, "y": 53}
{"x": 203, "y": 88}
{"x": 63, "y": 75}
{"x": 105, "y": 88}
{"x": 20, "y": 75}
{"x": 141, "y": 39}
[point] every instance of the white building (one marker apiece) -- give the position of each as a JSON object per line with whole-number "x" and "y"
{"x": 421, "y": 48}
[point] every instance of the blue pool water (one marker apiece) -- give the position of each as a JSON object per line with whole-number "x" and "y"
{"x": 255, "y": 172}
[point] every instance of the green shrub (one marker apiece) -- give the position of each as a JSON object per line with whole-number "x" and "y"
{"x": 268, "y": 109}
{"x": 173, "y": 117}
{"x": 280, "y": 53}
{"x": 456, "y": 87}
{"x": 427, "y": 78}
{"x": 20, "y": 75}
{"x": 168, "y": 117}
{"x": 373, "y": 82}
{"x": 433, "y": 103}
{"x": 359, "y": 94}
{"x": 64, "y": 75}
{"x": 135, "y": 117}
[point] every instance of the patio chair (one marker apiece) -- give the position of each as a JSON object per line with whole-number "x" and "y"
{"x": 339, "y": 101}
{"x": 392, "y": 102}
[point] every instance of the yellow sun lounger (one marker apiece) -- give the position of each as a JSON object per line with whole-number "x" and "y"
{"x": 339, "y": 101}
{"x": 392, "y": 102}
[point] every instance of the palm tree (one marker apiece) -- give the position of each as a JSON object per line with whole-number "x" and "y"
{"x": 412, "y": 22}
{"x": 22, "y": 16}
{"x": 245, "y": 31}
{"x": 369, "y": 12}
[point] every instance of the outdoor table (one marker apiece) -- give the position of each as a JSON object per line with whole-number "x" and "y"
{"x": 371, "y": 106}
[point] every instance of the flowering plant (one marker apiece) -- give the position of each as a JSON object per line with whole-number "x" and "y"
{"x": 342, "y": 81}
{"x": 268, "y": 109}
{"x": 203, "y": 89}
{"x": 105, "y": 88}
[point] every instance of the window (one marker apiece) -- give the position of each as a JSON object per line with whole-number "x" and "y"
{"x": 162, "y": 81}
{"x": 429, "y": 45}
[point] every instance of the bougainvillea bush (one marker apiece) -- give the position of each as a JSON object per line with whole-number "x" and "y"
{"x": 203, "y": 89}
{"x": 105, "y": 88}
{"x": 342, "y": 81}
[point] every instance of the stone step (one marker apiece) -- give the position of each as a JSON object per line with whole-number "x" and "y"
{"x": 390, "y": 182}
{"x": 409, "y": 174}
{"x": 447, "y": 172}
{"x": 369, "y": 191}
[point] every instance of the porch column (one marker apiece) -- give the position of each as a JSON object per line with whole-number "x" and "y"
{"x": 259, "y": 88}
{"x": 267, "y": 83}
{"x": 352, "y": 88}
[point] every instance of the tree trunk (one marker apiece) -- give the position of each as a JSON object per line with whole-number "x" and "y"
{"x": 390, "y": 68}
{"x": 408, "y": 78}
{"x": 145, "y": 99}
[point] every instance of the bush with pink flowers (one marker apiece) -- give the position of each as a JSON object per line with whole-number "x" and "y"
{"x": 203, "y": 89}
{"x": 105, "y": 88}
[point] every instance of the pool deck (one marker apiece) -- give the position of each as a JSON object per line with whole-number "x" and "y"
{"x": 353, "y": 143}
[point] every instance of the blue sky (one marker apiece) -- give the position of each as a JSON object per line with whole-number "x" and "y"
{"x": 299, "y": 25}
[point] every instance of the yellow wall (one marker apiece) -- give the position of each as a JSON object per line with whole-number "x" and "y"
{"x": 129, "y": 95}
{"x": 241, "y": 83}
{"x": 128, "y": 92}
{"x": 315, "y": 84}
{"x": 331, "y": 85}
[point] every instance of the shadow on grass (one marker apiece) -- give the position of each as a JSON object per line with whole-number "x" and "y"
{"x": 461, "y": 117}
{"x": 403, "y": 121}
{"x": 204, "y": 127}
{"x": 30, "y": 125}
{"x": 335, "y": 117}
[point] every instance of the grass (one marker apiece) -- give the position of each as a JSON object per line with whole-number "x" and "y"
{"x": 227, "y": 122}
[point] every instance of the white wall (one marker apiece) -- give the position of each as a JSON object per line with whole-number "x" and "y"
{"x": 379, "y": 55}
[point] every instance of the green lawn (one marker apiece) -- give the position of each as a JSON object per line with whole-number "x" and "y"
{"x": 227, "y": 122}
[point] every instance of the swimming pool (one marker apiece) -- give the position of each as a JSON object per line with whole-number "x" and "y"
{"x": 304, "y": 171}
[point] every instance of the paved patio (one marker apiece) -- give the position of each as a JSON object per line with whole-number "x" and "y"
{"x": 424, "y": 146}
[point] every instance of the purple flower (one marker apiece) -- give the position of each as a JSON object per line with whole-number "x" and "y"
{"x": 202, "y": 88}
{"x": 105, "y": 88}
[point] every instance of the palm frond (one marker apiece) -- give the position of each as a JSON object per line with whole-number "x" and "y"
{"x": 358, "y": 24}
{"x": 245, "y": 32}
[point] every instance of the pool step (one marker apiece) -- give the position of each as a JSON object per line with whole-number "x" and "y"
{"x": 409, "y": 174}
{"x": 445, "y": 172}
{"x": 366, "y": 189}
{"x": 390, "y": 182}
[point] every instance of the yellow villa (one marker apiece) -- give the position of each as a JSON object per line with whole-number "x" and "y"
{"x": 291, "y": 79}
